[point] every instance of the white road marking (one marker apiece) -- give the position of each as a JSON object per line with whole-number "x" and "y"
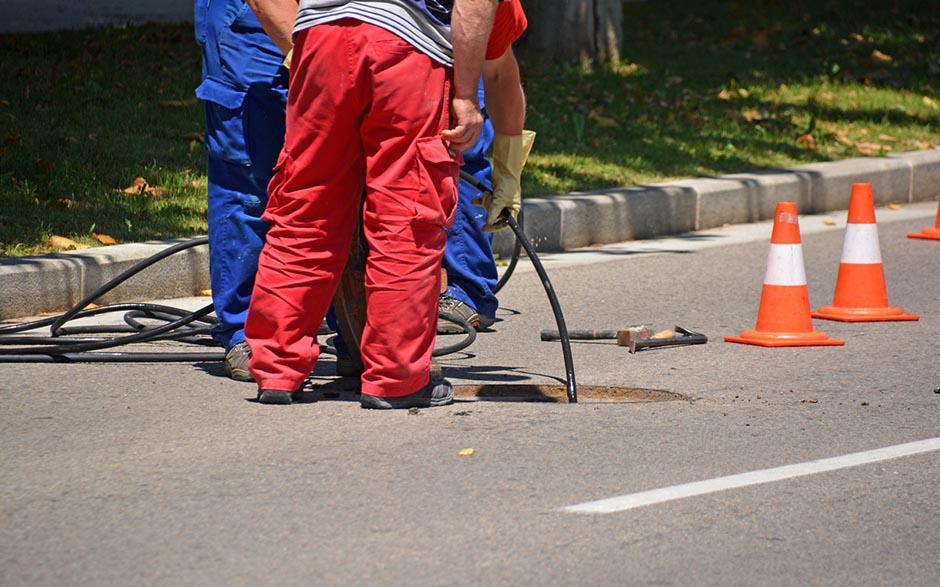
{"x": 654, "y": 496}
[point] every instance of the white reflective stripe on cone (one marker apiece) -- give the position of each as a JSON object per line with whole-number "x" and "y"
{"x": 861, "y": 244}
{"x": 785, "y": 265}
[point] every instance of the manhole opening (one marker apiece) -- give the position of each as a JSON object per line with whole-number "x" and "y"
{"x": 558, "y": 393}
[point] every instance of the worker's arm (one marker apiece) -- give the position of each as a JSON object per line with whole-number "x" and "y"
{"x": 277, "y": 17}
{"x": 505, "y": 100}
{"x": 470, "y": 24}
{"x": 505, "y": 103}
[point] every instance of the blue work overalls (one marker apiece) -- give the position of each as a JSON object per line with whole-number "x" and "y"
{"x": 244, "y": 89}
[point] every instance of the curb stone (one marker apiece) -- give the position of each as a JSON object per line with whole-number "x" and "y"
{"x": 608, "y": 216}
{"x": 48, "y": 283}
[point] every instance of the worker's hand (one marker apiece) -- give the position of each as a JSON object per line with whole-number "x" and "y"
{"x": 509, "y": 157}
{"x": 468, "y": 122}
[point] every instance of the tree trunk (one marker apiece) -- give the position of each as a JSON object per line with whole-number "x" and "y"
{"x": 571, "y": 30}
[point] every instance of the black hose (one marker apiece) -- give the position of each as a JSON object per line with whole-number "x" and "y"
{"x": 556, "y": 307}
{"x": 179, "y": 327}
{"x": 57, "y": 324}
{"x": 523, "y": 242}
{"x": 456, "y": 347}
{"x": 514, "y": 259}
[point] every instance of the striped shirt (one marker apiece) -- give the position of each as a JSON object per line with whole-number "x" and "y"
{"x": 397, "y": 16}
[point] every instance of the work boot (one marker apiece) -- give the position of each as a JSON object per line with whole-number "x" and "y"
{"x": 436, "y": 393}
{"x": 275, "y": 397}
{"x": 454, "y": 307}
{"x": 236, "y": 362}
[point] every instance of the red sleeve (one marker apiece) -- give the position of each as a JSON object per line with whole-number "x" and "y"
{"x": 508, "y": 26}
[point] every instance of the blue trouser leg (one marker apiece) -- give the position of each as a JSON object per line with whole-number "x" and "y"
{"x": 245, "y": 93}
{"x": 468, "y": 256}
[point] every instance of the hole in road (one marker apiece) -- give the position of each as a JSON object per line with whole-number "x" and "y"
{"x": 558, "y": 394}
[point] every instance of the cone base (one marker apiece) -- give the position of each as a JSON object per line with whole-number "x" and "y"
{"x": 886, "y": 314}
{"x": 782, "y": 339}
{"x": 928, "y": 234}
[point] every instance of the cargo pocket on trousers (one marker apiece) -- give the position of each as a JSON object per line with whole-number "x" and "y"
{"x": 225, "y": 121}
{"x": 436, "y": 200}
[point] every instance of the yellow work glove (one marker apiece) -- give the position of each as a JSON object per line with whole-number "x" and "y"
{"x": 509, "y": 157}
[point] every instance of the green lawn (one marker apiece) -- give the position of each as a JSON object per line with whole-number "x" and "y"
{"x": 706, "y": 87}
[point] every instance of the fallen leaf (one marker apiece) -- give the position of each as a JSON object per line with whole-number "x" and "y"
{"x": 178, "y": 103}
{"x": 466, "y": 452}
{"x": 136, "y": 188}
{"x": 828, "y": 222}
{"x": 64, "y": 244}
{"x": 724, "y": 95}
{"x": 140, "y": 186}
{"x": 743, "y": 92}
{"x": 930, "y": 103}
{"x": 893, "y": 206}
{"x": 871, "y": 149}
{"x": 888, "y": 138}
{"x": 198, "y": 137}
{"x": 760, "y": 40}
{"x": 733, "y": 35}
{"x": 630, "y": 68}
{"x": 840, "y": 137}
{"x": 856, "y": 37}
{"x": 882, "y": 58}
{"x": 12, "y": 139}
{"x": 673, "y": 80}
{"x": 807, "y": 140}
{"x": 45, "y": 166}
{"x": 602, "y": 121}
{"x": 205, "y": 293}
{"x": 752, "y": 115}
{"x": 104, "y": 239}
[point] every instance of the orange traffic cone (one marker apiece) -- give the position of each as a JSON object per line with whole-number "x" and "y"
{"x": 783, "y": 318}
{"x": 861, "y": 294}
{"x": 929, "y": 233}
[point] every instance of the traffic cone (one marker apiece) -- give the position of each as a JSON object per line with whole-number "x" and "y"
{"x": 929, "y": 233}
{"x": 783, "y": 318}
{"x": 861, "y": 294}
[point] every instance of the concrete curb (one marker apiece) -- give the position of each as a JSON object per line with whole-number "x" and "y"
{"x": 616, "y": 215}
{"x": 46, "y": 283}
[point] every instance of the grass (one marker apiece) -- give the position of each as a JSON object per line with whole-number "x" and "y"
{"x": 706, "y": 87}
{"x": 716, "y": 86}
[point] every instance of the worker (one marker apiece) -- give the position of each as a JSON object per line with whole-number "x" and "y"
{"x": 468, "y": 256}
{"x": 370, "y": 108}
{"x": 243, "y": 68}
{"x": 244, "y": 90}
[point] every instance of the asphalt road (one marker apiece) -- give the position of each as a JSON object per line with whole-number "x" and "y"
{"x": 170, "y": 474}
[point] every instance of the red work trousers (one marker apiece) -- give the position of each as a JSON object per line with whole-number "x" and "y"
{"x": 364, "y": 116}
